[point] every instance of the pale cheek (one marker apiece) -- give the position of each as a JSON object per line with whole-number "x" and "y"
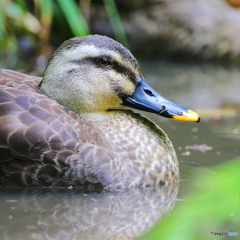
{"x": 104, "y": 97}
{"x": 122, "y": 84}
{"x": 92, "y": 97}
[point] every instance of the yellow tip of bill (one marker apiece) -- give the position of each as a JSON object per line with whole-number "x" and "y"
{"x": 187, "y": 116}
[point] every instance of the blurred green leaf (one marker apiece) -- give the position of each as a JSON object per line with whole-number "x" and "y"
{"x": 34, "y": 19}
{"x": 22, "y": 18}
{"x": 46, "y": 8}
{"x": 214, "y": 204}
{"x": 2, "y": 23}
{"x": 22, "y": 4}
{"x": 116, "y": 21}
{"x": 74, "y": 17}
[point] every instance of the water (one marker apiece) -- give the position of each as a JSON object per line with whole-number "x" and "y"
{"x": 69, "y": 214}
{"x": 212, "y": 91}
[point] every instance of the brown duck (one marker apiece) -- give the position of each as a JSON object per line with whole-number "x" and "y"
{"x": 70, "y": 129}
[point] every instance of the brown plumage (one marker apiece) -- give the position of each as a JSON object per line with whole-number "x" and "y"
{"x": 68, "y": 129}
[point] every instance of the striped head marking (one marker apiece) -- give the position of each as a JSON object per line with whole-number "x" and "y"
{"x": 90, "y": 74}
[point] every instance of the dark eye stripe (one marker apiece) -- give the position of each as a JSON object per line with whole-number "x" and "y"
{"x": 118, "y": 67}
{"x": 125, "y": 71}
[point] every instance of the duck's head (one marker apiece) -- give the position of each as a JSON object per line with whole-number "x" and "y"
{"x": 96, "y": 74}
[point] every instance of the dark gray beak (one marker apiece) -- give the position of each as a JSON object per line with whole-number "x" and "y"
{"x": 145, "y": 98}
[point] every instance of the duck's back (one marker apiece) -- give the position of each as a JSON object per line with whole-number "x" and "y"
{"x": 44, "y": 143}
{"x": 40, "y": 139}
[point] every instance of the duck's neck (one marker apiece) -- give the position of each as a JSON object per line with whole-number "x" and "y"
{"x": 120, "y": 119}
{"x": 102, "y": 115}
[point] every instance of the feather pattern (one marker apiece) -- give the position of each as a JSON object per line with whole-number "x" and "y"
{"x": 43, "y": 143}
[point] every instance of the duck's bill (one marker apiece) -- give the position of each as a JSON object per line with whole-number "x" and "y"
{"x": 147, "y": 99}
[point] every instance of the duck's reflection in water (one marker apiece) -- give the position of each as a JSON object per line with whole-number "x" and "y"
{"x": 73, "y": 214}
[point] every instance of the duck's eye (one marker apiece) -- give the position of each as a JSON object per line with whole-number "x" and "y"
{"x": 103, "y": 62}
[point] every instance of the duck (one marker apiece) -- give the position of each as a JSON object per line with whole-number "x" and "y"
{"x": 74, "y": 127}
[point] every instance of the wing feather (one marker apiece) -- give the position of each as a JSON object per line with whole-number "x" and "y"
{"x": 42, "y": 142}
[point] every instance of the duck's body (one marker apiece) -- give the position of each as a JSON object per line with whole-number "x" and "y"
{"x": 64, "y": 136}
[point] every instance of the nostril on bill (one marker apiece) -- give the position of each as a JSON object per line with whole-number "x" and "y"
{"x": 164, "y": 108}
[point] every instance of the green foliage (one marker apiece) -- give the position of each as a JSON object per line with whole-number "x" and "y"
{"x": 116, "y": 21}
{"x": 74, "y": 17}
{"x": 36, "y": 22}
{"x": 214, "y": 206}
